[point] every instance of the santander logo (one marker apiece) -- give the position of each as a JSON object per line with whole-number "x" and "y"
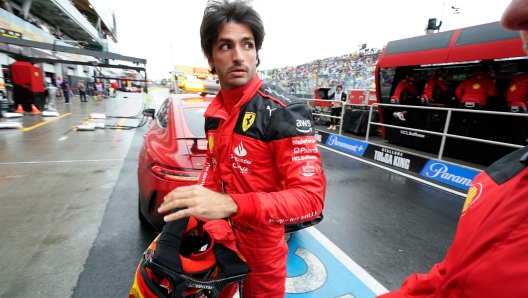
{"x": 240, "y": 150}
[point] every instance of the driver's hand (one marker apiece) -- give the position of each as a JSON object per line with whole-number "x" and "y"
{"x": 198, "y": 201}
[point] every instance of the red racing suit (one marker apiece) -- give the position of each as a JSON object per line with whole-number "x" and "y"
{"x": 403, "y": 89}
{"x": 517, "y": 94}
{"x": 433, "y": 87}
{"x": 488, "y": 255}
{"x": 476, "y": 89}
{"x": 264, "y": 155}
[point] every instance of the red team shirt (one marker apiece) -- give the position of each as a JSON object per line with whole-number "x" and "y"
{"x": 517, "y": 94}
{"x": 403, "y": 89}
{"x": 429, "y": 89}
{"x": 476, "y": 89}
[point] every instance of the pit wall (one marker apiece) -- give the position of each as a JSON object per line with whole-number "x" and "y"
{"x": 435, "y": 170}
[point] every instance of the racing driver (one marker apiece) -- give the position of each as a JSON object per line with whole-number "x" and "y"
{"x": 263, "y": 169}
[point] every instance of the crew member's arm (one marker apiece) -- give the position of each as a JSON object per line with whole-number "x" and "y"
{"x": 442, "y": 85}
{"x": 420, "y": 285}
{"x": 412, "y": 89}
{"x": 492, "y": 91}
{"x": 460, "y": 90}
{"x": 299, "y": 164}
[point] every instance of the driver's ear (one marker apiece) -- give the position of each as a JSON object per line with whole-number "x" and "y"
{"x": 210, "y": 61}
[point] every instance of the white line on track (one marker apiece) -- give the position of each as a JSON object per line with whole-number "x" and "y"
{"x": 59, "y": 161}
{"x": 62, "y": 138}
{"x": 446, "y": 189}
{"x": 359, "y": 272}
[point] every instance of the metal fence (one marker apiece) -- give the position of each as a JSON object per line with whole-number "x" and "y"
{"x": 443, "y": 134}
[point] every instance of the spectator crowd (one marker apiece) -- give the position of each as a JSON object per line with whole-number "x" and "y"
{"x": 352, "y": 71}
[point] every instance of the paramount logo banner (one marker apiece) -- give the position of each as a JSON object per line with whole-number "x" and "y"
{"x": 346, "y": 144}
{"x": 449, "y": 174}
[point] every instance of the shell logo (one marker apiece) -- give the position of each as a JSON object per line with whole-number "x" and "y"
{"x": 36, "y": 74}
{"x": 210, "y": 140}
{"x": 473, "y": 195}
{"x": 476, "y": 86}
{"x": 513, "y": 88}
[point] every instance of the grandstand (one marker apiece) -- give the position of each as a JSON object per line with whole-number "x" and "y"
{"x": 353, "y": 71}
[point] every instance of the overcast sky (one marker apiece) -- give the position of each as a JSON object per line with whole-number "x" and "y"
{"x": 297, "y": 31}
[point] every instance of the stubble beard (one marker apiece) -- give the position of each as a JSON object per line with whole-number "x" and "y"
{"x": 524, "y": 36}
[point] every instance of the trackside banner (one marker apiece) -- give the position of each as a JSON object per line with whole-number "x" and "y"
{"x": 346, "y": 144}
{"x": 443, "y": 172}
{"x": 449, "y": 174}
{"x": 395, "y": 158}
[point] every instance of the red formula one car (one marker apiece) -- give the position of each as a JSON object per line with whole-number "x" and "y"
{"x": 173, "y": 152}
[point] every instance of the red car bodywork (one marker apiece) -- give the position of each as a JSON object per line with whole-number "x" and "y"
{"x": 173, "y": 153}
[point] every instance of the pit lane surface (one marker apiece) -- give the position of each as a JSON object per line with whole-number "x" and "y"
{"x": 70, "y": 227}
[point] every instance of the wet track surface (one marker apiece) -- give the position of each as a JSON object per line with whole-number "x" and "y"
{"x": 71, "y": 216}
{"x": 390, "y": 225}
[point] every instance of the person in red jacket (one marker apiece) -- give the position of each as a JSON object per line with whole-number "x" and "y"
{"x": 517, "y": 94}
{"x": 432, "y": 92}
{"x": 404, "y": 89}
{"x": 474, "y": 91}
{"x": 517, "y": 99}
{"x": 263, "y": 169}
{"x": 488, "y": 255}
{"x": 434, "y": 86}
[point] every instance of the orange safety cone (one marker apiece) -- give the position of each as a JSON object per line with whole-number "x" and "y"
{"x": 19, "y": 109}
{"x": 34, "y": 110}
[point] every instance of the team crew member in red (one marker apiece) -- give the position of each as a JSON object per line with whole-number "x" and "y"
{"x": 517, "y": 94}
{"x": 432, "y": 91}
{"x": 488, "y": 255}
{"x": 401, "y": 95}
{"x": 517, "y": 99}
{"x": 434, "y": 86}
{"x": 263, "y": 169}
{"x": 473, "y": 92}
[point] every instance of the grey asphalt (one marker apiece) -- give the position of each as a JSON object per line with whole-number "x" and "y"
{"x": 55, "y": 183}
{"x": 69, "y": 224}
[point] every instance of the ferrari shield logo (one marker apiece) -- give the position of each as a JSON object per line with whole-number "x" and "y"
{"x": 249, "y": 118}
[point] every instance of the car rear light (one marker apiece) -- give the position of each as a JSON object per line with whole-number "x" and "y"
{"x": 171, "y": 174}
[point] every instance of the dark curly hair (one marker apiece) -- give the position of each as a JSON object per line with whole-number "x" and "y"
{"x": 218, "y": 13}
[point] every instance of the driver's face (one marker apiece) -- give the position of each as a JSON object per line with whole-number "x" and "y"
{"x": 515, "y": 17}
{"x": 234, "y": 56}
